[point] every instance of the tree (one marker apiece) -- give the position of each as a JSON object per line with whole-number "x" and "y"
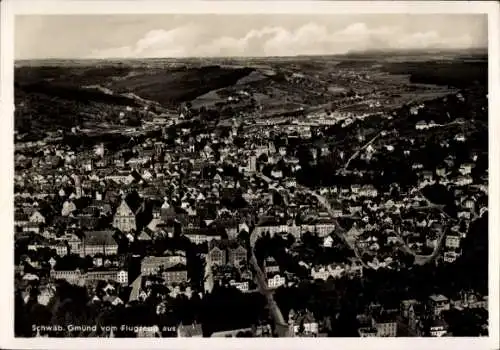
{"x": 263, "y": 158}
{"x": 407, "y": 260}
{"x": 301, "y": 329}
{"x": 244, "y": 237}
{"x": 277, "y": 198}
{"x": 38, "y": 314}
{"x": 21, "y": 321}
{"x": 311, "y": 241}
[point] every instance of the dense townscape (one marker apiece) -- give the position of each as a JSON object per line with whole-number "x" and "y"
{"x": 312, "y": 197}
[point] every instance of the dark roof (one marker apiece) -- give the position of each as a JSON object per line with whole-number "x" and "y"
{"x": 225, "y": 244}
{"x": 18, "y": 216}
{"x": 100, "y": 203}
{"x": 235, "y": 245}
{"x": 90, "y": 211}
{"x": 229, "y": 191}
{"x": 439, "y": 323}
{"x": 134, "y": 201}
{"x": 100, "y": 237}
{"x": 385, "y": 317}
{"x": 225, "y": 223}
{"x": 196, "y": 231}
{"x": 137, "y": 177}
{"x": 88, "y": 222}
{"x": 267, "y": 221}
{"x": 64, "y": 220}
{"x": 176, "y": 267}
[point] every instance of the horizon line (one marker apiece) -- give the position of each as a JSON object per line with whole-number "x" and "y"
{"x": 358, "y": 52}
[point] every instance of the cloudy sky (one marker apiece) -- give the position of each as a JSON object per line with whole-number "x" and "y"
{"x": 142, "y": 36}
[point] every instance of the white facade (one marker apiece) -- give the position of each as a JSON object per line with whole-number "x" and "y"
{"x": 309, "y": 328}
{"x": 276, "y": 281}
{"x": 37, "y": 218}
{"x": 242, "y": 286}
{"x": 122, "y": 277}
{"x": 452, "y": 242}
{"x": 437, "y": 331}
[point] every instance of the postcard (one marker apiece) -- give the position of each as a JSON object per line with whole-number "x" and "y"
{"x": 306, "y": 172}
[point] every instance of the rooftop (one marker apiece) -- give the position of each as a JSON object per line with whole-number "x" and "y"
{"x": 99, "y": 237}
{"x": 438, "y": 298}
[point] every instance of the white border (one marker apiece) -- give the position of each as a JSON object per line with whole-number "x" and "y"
{"x": 245, "y": 7}
{"x": 11, "y": 7}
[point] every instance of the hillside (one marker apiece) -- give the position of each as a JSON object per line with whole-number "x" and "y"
{"x": 65, "y": 94}
{"x": 61, "y": 97}
{"x": 170, "y": 87}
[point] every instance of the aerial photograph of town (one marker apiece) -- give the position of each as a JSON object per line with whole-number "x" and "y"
{"x": 269, "y": 176}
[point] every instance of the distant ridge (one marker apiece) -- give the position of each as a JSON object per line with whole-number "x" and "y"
{"x": 430, "y": 51}
{"x": 176, "y": 60}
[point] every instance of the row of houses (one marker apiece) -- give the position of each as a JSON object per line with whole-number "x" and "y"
{"x": 82, "y": 277}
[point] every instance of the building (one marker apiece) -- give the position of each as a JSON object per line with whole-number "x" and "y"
{"x": 152, "y": 265}
{"x": 416, "y": 313}
{"x": 124, "y": 219}
{"x": 78, "y": 185}
{"x": 324, "y": 226}
{"x": 276, "y": 281}
{"x": 200, "y": 236}
{"x": 271, "y": 266}
{"x": 368, "y": 191}
{"x": 20, "y": 219}
{"x": 99, "y": 242}
{"x": 452, "y": 241}
{"x": 74, "y": 242}
{"x": 405, "y": 306}
{"x": 302, "y": 324}
{"x": 175, "y": 257}
{"x": 451, "y": 256}
{"x": 365, "y": 332}
{"x": 60, "y": 248}
{"x": 226, "y": 252}
{"x": 71, "y": 276}
{"x": 122, "y": 277}
{"x": 470, "y": 300}
{"x": 463, "y": 180}
{"x": 332, "y": 270}
{"x": 466, "y": 168}
{"x": 252, "y": 164}
{"x": 438, "y": 328}
{"x": 100, "y": 275}
{"x": 216, "y": 256}
{"x": 242, "y": 285}
{"x": 189, "y": 331}
{"x": 421, "y": 125}
{"x": 37, "y": 218}
{"x": 386, "y": 324}
{"x": 46, "y": 294}
{"x": 32, "y": 227}
{"x": 175, "y": 274}
{"x": 237, "y": 255}
{"x": 438, "y": 303}
{"x": 328, "y": 242}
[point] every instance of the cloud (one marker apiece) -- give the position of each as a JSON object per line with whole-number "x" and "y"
{"x": 192, "y": 40}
